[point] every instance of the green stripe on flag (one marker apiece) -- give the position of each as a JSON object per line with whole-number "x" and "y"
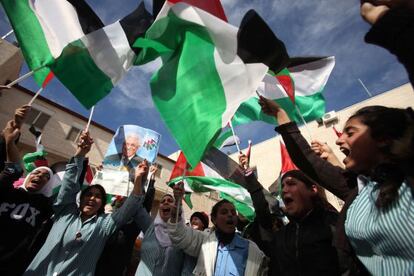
{"x": 312, "y": 107}
{"x": 76, "y": 69}
{"x": 233, "y": 192}
{"x": 30, "y": 35}
{"x": 188, "y": 85}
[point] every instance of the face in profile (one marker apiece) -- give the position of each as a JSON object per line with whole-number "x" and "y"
{"x": 37, "y": 180}
{"x": 130, "y": 146}
{"x": 360, "y": 149}
{"x": 226, "y": 218}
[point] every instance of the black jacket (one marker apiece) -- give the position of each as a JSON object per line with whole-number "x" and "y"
{"x": 303, "y": 247}
{"x": 23, "y": 216}
{"x": 395, "y": 32}
{"x": 341, "y": 183}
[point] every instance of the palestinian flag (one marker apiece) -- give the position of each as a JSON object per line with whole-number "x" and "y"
{"x": 204, "y": 178}
{"x": 207, "y": 72}
{"x": 309, "y": 80}
{"x": 226, "y": 140}
{"x": 91, "y": 66}
{"x": 43, "y": 28}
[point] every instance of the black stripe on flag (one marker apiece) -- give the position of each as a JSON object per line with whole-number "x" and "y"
{"x": 258, "y": 44}
{"x": 88, "y": 19}
{"x": 136, "y": 24}
{"x": 296, "y": 61}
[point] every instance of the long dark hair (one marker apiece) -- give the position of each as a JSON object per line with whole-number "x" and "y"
{"x": 101, "y": 189}
{"x": 396, "y": 126}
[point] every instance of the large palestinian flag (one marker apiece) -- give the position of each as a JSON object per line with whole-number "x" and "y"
{"x": 209, "y": 68}
{"x": 91, "y": 66}
{"x": 214, "y": 174}
{"x": 43, "y": 28}
{"x": 305, "y": 81}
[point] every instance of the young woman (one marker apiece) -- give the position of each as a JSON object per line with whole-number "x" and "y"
{"x": 158, "y": 256}
{"x": 221, "y": 251}
{"x": 377, "y": 220}
{"x": 79, "y": 233}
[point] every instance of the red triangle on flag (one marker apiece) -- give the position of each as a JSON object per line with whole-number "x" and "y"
{"x": 181, "y": 164}
{"x": 287, "y": 163}
{"x": 89, "y": 175}
{"x": 213, "y": 7}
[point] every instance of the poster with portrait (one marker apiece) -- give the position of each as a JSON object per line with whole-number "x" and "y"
{"x": 130, "y": 145}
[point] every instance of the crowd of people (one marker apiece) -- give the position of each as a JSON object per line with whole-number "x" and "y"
{"x": 372, "y": 234}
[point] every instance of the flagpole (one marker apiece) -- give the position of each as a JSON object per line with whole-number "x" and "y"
{"x": 365, "y": 88}
{"x": 25, "y": 76}
{"x": 303, "y": 121}
{"x": 35, "y": 96}
{"x": 179, "y": 202}
{"x": 90, "y": 119}
{"x": 6, "y": 35}
{"x": 234, "y": 136}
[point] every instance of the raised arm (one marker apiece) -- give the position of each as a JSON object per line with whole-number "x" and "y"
{"x": 132, "y": 207}
{"x": 181, "y": 236}
{"x": 324, "y": 173}
{"x": 392, "y": 28}
{"x": 12, "y": 170}
{"x": 70, "y": 186}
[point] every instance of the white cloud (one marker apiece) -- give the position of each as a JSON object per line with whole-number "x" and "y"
{"x": 135, "y": 91}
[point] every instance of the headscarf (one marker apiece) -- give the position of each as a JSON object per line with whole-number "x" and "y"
{"x": 47, "y": 189}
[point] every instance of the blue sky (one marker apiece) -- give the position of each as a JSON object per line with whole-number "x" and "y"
{"x": 329, "y": 27}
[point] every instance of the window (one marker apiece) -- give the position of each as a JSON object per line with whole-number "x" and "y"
{"x": 37, "y": 118}
{"x": 73, "y": 134}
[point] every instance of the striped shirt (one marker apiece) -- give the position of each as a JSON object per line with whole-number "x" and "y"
{"x": 383, "y": 239}
{"x": 73, "y": 246}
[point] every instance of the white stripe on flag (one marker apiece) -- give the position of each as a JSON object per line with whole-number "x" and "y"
{"x": 110, "y": 50}
{"x": 59, "y": 21}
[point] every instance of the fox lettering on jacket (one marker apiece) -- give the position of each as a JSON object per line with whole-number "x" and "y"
{"x": 19, "y": 212}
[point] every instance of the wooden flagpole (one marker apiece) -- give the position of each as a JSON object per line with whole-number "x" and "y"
{"x": 25, "y": 76}
{"x": 35, "y": 96}
{"x": 90, "y": 119}
{"x": 234, "y": 136}
{"x": 8, "y": 34}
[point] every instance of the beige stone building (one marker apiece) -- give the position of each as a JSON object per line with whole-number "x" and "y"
{"x": 60, "y": 128}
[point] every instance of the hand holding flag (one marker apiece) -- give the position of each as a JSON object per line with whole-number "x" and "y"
{"x": 272, "y": 108}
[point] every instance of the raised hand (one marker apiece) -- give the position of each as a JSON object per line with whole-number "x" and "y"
{"x": 85, "y": 142}
{"x": 141, "y": 169}
{"x": 178, "y": 191}
{"x": 153, "y": 170}
{"x": 11, "y": 132}
{"x": 371, "y": 13}
{"x": 243, "y": 161}
{"x": 325, "y": 152}
{"x": 271, "y": 108}
{"x": 20, "y": 115}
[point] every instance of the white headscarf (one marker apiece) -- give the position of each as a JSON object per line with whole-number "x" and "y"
{"x": 47, "y": 189}
{"x": 161, "y": 232}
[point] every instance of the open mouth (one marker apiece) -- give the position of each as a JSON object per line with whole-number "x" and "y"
{"x": 345, "y": 151}
{"x": 287, "y": 200}
{"x": 165, "y": 211}
{"x": 230, "y": 221}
